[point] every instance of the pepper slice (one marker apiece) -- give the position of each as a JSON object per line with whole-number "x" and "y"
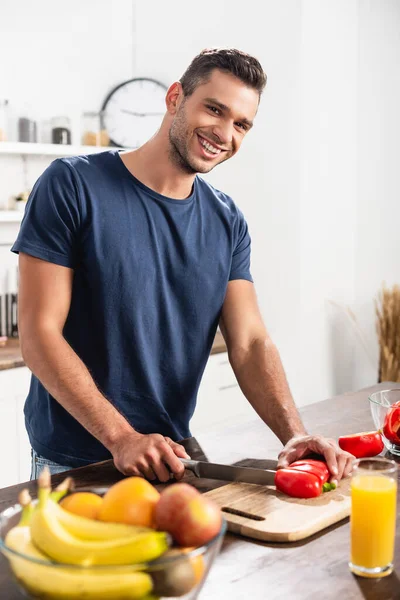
{"x": 298, "y": 484}
{"x": 361, "y": 445}
{"x": 310, "y": 465}
{"x": 391, "y": 425}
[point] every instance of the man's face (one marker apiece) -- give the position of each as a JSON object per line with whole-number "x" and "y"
{"x": 209, "y": 126}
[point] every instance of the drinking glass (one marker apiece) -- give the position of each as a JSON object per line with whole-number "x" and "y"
{"x": 373, "y": 517}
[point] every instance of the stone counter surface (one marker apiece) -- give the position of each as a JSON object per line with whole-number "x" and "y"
{"x": 10, "y": 354}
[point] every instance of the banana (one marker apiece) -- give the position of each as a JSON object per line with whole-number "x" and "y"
{"x": 81, "y": 527}
{"x": 90, "y": 529}
{"x": 68, "y": 583}
{"x": 67, "y": 485}
{"x": 51, "y": 537}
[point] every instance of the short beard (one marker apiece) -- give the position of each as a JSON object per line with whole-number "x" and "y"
{"x": 178, "y": 158}
{"x": 178, "y": 152}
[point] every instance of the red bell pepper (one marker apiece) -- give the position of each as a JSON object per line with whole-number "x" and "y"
{"x": 305, "y": 478}
{"x": 391, "y": 425}
{"x": 316, "y": 467}
{"x": 360, "y": 445}
{"x": 299, "y": 484}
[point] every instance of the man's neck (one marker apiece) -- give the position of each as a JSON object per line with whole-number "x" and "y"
{"x": 152, "y": 165}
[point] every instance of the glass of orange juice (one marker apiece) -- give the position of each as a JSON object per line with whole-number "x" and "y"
{"x": 373, "y": 516}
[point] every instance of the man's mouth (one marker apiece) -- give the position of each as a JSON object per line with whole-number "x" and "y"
{"x": 208, "y": 148}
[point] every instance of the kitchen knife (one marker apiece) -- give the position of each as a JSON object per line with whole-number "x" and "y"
{"x": 229, "y": 473}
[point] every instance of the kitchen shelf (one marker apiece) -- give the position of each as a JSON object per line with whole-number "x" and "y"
{"x": 26, "y": 148}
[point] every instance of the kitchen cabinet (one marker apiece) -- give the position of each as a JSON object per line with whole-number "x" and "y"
{"x": 14, "y": 442}
{"x": 220, "y": 401}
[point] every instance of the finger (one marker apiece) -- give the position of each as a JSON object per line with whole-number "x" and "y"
{"x": 162, "y": 472}
{"x": 341, "y": 464}
{"x": 178, "y": 449}
{"x": 329, "y": 454}
{"x": 349, "y": 466}
{"x": 149, "y": 474}
{"x": 133, "y": 471}
{"x": 145, "y": 470}
{"x": 285, "y": 458}
{"x": 126, "y": 469}
{"x": 172, "y": 461}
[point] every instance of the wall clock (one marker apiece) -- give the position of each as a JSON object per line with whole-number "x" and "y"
{"x": 133, "y": 111}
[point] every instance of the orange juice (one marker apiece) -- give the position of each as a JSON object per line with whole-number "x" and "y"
{"x": 372, "y": 521}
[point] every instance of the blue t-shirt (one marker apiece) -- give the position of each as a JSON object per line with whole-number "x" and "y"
{"x": 150, "y": 277}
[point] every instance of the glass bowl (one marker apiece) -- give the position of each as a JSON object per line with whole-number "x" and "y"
{"x": 176, "y": 576}
{"x": 385, "y": 410}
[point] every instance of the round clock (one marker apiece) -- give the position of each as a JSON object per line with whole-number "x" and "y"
{"x": 133, "y": 111}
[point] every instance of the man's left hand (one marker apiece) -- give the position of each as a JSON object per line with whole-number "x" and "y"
{"x": 339, "y": 462}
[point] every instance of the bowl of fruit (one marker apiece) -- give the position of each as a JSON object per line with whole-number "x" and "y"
{"x": 385, "y": 409}
{"x": 125, "y": 542}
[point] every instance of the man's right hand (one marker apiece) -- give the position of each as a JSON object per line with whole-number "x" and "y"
{"x": 152, "y": 456}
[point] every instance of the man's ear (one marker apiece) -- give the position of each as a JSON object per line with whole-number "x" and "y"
{"x": 174, "y": 97}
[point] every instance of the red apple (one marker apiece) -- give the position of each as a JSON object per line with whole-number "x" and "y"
{"x": 191, "y": 519}
{"x": 171, "y": 503}
{"x": 199, "y": 522}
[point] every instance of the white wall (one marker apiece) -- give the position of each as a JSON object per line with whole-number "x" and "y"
{"x": 377, "y": 251}
{"x": 316, "y": 178}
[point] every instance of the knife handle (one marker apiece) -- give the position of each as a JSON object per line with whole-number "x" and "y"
{"x": 191, "y": 465}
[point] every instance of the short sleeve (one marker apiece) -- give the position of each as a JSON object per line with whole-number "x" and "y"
{"x": 240, "y": 267}
{"x": 49, "y": 229}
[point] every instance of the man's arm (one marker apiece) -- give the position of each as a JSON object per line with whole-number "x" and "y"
{"x": 43, "y": 304}
{"x": 260, "y": 374}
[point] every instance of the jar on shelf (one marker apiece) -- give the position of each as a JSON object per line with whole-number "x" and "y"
{"x": 27, "y": 130}
{"x": 3, "y": 120}
{"x": 60, "y": 130}
{"x": 93, "y": 133}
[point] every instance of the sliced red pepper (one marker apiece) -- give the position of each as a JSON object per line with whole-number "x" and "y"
{"x": 391, "y": 425}
{"x": 360, "y": 445}
{"x": 310, "y": 465}
{"x": 298, "y": 484}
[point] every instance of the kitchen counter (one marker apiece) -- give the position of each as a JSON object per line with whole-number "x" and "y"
{"x": 10, "y": 354}
{"x": 312, "y": 568}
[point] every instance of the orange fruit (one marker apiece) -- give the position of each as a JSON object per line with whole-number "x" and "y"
{"x": 131, "y": 501}
{"x": 85, "y": 504}
{"x": 197, "y": 563}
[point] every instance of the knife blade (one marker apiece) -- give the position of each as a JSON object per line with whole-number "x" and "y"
{"x": 229, "y": 473}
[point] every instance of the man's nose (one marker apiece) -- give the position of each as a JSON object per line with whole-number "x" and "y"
{"x": 224, "y": 131}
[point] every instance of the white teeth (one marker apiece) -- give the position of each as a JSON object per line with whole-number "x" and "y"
{"x": 208, "y": 147}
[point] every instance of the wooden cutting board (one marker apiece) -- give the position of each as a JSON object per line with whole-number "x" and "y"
{"x": 263, "y": 513}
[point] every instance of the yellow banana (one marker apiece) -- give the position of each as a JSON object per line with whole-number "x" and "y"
{"x": 90, "y": 529}
{"x": 69, "y": 583}
{"x": 51, "y": 537}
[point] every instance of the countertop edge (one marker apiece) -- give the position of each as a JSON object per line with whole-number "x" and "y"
{"x": 10, "y": 354}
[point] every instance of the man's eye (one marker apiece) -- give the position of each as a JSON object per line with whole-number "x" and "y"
{"x": 214, "y": 109}
{"x": 242, "y": 126}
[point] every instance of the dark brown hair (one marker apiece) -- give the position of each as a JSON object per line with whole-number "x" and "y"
{"x": 229, "y": 60}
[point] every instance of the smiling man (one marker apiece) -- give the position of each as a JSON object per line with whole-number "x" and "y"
{"x": 128, "y": 263}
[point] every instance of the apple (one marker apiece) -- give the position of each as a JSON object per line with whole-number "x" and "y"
{"x": 191, "y": 519}
{"x": 170, "y": 504}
